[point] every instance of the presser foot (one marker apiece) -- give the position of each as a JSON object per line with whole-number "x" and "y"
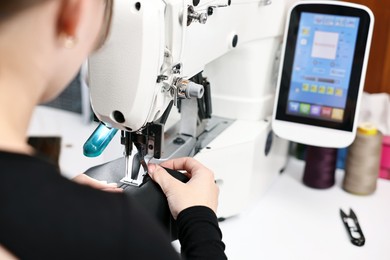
{"x": 137, "y": 183}
{"x": 135, "y": 174}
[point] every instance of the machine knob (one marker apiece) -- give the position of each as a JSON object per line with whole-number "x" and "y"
{"x": 194, "y": 90}
{"x": 194, "y": 16}
{"x": 189, "y": 89}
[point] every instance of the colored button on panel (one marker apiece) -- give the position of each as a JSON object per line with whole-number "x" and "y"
{"x": 339, "y": 92}
{"x": 304, "y": 108}
{"x": 305, "y": 87}
{"x": 305, "y": 31}
{"x": 330, "y": 91}
{"x": 293, "y": 107}
{"x": 315, "y": 110}
{"x": 322, "y": 89}
{"x": 338, "y": 114}
{"x": 326, "y": 112}
{"x": 313, "y": 88}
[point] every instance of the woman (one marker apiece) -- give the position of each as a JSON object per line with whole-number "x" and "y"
{"x": 45, "y": 216}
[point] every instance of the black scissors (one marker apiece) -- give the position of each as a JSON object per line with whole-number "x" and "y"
{"x": 352, "y": 226}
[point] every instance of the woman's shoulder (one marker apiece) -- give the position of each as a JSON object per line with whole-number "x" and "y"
{"x": 49, "y": 214}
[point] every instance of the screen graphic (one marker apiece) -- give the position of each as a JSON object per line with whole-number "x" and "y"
{"x": 322, "y": 66}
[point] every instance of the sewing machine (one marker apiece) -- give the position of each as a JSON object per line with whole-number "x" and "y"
{"x": 216, "y": 61}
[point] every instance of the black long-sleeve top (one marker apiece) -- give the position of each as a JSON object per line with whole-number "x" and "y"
{"x": 45, "y": 216}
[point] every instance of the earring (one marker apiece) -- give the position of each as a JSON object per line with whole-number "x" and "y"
{"x": 68, "y": 41}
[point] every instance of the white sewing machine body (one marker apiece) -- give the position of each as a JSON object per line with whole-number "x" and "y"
{"x": 154, "y": 45}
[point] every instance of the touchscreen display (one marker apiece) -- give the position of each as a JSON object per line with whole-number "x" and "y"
{"x": 322, "y": 66}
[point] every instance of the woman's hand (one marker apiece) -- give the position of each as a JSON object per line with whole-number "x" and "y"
{"x": 200, "y": 190}
{"x": 100, "y": 185}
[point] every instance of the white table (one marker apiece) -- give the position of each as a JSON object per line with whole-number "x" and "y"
{"x": 292, "y": 221}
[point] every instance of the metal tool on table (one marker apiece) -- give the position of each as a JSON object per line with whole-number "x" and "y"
{"x": 353, "y": 228}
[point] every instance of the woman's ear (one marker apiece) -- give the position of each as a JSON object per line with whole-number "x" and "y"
{"x": 69, "y": 17}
